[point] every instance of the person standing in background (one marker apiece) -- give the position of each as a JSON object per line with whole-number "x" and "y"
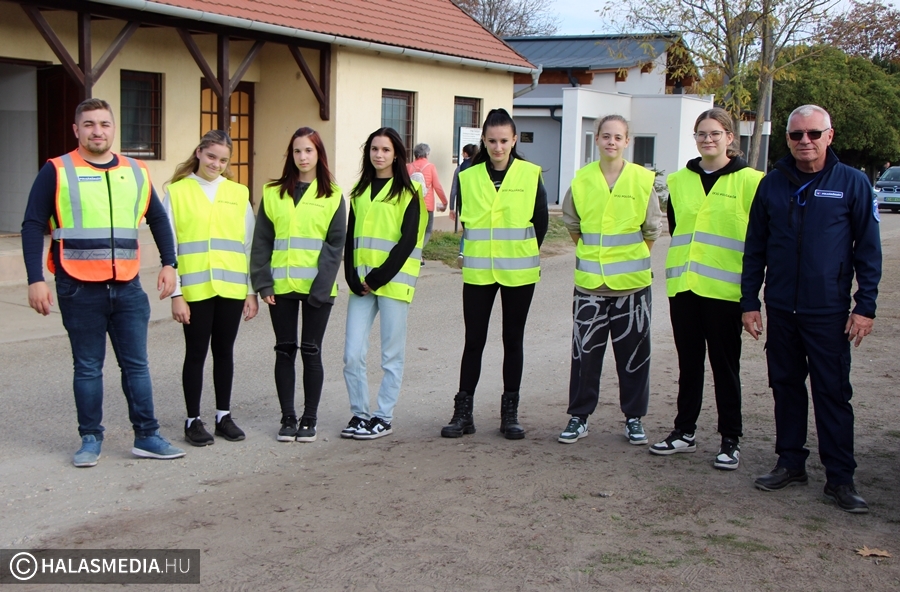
{"x": 425, "y": 173}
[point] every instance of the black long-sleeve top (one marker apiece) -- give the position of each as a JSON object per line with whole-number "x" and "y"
{"x": 381, "y": 275}
{"x": 42, "y": 207}
{"x": 329, "y": 256}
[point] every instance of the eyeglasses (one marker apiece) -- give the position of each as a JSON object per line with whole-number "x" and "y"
{"x": 714, "y": 136}
{"x": 813, "y": 134}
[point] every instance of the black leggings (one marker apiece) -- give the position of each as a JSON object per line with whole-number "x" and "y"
{"x": 285, "y": 315}
{"x": 215, "y": 319}
{"x": 477, "y": 304}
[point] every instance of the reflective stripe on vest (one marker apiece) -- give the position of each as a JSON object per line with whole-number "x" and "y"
{"x": 611, "y": 250}
{"x": 500, "y": 243}
{"x": 706, "y": 252}
{"x": 377, "y": 230}
{"x": 212, "y": 260}
{"x": 98, "y": 235}
{"x": 300, "y": 233}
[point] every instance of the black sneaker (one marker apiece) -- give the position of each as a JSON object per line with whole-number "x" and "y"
{"x": 729, "y": 457}
{"x": 355, "y": 423}
{"x": 375, "y": 428}
{"x": 226, "y": 428}
{"x": 288, "y": 431}
{"x": 196, "y": 434}
{"x": 307, "y": 430}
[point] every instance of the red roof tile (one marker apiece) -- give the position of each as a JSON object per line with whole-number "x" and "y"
{"x": 437, "y": 26}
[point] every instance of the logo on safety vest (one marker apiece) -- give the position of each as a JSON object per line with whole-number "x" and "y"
{"x": 89, "y": 178}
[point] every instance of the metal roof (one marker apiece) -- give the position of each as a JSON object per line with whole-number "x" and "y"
{"x": 591, "y": 52}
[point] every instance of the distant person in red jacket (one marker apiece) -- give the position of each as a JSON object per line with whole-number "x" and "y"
{"x": 431, "y": 185}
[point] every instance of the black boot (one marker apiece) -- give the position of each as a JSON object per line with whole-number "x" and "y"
{"x": 509, "y": 417}
{"x": 462, "y": 422}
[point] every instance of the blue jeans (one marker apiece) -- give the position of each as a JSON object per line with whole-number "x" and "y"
{"x": 90, "y": 311}
{"x": 361, "y": 311}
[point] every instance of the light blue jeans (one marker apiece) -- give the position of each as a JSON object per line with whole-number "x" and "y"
{"x": 361, "y": 311}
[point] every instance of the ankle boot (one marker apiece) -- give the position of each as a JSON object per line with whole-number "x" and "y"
{"x": 462, "y": 422}
{"x": 509, "y": 417}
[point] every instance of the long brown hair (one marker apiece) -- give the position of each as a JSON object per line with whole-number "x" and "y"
{"x": 400, "y": 175}
{"x": 724, "y": 119}
{"x": 210, "y": 138}
{"x": 290, "y": 175}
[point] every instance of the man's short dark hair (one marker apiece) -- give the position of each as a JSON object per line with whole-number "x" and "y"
{"x": 91, "y": 105}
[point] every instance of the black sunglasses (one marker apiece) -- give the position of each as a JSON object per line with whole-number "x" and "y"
{"x": 813, "y": 134}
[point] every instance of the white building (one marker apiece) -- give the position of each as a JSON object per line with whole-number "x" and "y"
{"x": 586, "y": 77}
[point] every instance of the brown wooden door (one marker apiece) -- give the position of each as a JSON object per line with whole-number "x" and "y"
{"x": 58, "y": 96}
{"x": 241, "y": 129}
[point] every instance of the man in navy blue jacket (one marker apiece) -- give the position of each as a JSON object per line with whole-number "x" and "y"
{"x": 813, "y": 225}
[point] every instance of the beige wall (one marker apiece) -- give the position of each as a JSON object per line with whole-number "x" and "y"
{"x": 284, "y": 102}
{"x": 358, "y": 82}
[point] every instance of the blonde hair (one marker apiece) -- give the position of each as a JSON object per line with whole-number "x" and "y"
{"x": 210, "y": 138}
{"x": 723, "y": 118}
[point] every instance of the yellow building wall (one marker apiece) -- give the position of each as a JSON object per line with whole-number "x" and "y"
{"x": 284, "y": 103}
{"x": 359, "y": 79}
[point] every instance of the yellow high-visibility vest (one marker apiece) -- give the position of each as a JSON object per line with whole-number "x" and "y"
{"x": 707, "y": 249}
{"x": 612, "y": 250}
{"x": 300, "y": 233}
{"x": 500, "y": 242}
{"x": 211, "y": 237}
{"x": 376, "y": 232}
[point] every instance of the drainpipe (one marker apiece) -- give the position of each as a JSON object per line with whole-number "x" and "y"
{"x": 535, "y": 76}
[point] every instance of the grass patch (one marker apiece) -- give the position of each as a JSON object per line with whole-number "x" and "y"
{"x": 444, "y": 246}
{"x": 569, "y": 496}
{"x": 892, "y": 433}
{"x": 739, "y": 522}
{"x": 729, "y": 540}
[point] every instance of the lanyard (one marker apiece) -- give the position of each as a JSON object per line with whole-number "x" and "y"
{"x": 802, "y": 188}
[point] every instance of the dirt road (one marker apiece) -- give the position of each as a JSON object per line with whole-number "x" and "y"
{"x": 416, "y": 512}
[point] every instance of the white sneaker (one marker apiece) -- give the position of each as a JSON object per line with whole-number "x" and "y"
{"x": 676, "y": 442}
{"x": 374, "y": 428}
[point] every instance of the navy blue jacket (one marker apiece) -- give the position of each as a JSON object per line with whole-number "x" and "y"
{"x": 807, "y": 243}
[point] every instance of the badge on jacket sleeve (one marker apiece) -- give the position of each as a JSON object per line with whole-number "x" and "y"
{"x": 875, "y": 209}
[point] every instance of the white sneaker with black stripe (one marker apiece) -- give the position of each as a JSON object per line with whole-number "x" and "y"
{"x": 677, "y": 441}
{"x": 374, "y": 428}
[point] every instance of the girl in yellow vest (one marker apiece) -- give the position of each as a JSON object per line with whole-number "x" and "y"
{"x": 386, "y": 229}
{"x": 612, "y": 213}
{"x": 296, "y": 255}
{"x": 503, "y": 207}
{"x": 710, "y": 200}
{"x": 212, "y": 220}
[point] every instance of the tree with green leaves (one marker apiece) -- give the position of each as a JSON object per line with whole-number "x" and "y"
{"x": 746, "y": 42}
{"x": 862, "y": 98}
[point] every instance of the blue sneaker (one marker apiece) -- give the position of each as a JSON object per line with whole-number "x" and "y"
{"x": 89, "y": 453}
{"x": 155, "y": 446}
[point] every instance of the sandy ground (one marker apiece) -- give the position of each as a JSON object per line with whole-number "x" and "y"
{"x": 413, "y": 511}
